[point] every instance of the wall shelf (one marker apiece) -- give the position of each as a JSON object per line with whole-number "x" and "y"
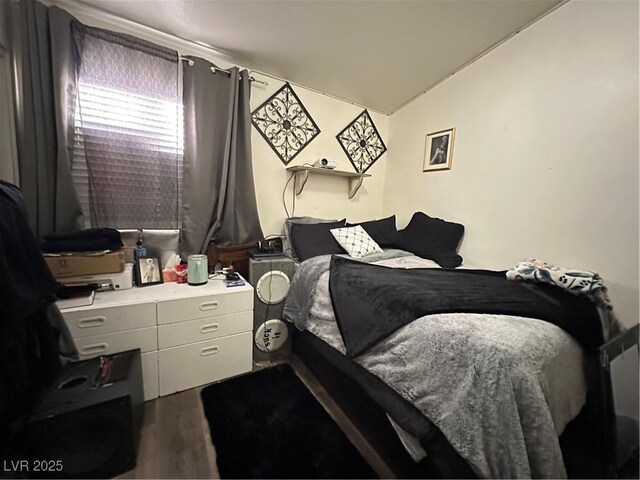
{"x": 301, "y": 175}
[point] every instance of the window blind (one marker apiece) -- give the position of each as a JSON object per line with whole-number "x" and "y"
{"x": 128, "y": 138}
{"x": 141, "y": 142}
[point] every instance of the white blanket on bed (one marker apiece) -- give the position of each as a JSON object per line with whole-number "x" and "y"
{"x": 500, "y": 388}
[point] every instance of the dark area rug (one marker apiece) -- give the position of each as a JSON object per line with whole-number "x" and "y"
{"x": 268, "y": 425}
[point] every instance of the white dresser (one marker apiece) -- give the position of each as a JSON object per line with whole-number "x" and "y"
{"x": 188, "y": 336}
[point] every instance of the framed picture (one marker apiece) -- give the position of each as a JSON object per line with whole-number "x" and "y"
{"x": 438, "y": 150}
{"x": 148, "y": 271}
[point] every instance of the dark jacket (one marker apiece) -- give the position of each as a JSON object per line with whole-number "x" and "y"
{"x": 33, "y": 337}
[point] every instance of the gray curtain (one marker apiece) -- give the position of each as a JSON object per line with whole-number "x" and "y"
{"x": 44, "y": 130}
{"x": 219, "y": 201}
{"x": 68, "y": 213}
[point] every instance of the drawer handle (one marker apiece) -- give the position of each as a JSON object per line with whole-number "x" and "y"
{"x": 91, "y": 322}
{"x": 92, "y": 349}
{"x": 204, "y": 306}
{"x": 208, "y": 351}
{"x": 212, "y": 327}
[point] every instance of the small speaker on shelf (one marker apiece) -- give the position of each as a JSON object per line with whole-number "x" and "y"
{"x": 271, "y": 278}
{"x": 88, "y": 424}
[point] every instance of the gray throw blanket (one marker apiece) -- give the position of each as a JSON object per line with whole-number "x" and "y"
{"x": 500, "y": 388}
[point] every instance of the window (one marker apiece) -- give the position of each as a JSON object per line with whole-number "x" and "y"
{"x": 128, "y": 133}
{"x": 138, "y": 143}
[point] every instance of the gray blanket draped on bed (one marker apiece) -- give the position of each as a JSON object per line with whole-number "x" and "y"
{"x": 500, "y": 388}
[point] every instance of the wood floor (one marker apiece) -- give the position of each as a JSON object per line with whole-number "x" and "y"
{"x": 175, "y": 441}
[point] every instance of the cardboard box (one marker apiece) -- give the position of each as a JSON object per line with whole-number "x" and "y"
{"x": 85, "y": 263}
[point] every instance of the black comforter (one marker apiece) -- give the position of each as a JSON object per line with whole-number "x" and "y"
{"x": 394, "y": 297}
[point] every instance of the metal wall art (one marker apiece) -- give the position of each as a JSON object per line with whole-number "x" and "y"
{"x": 361, "y": 142}
{"x": 285, "y": 124}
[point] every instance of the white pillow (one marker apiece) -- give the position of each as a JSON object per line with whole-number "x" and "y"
{"x": 355, "y": 241}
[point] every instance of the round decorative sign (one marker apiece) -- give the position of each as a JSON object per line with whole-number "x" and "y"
{"x": 272, "y": 287}
{"x": 271, "y": 335}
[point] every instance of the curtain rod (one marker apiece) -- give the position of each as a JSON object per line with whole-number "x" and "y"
{"x": 190, "y": 62}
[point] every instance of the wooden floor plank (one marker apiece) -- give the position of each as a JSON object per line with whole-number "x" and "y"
{"x": 174, "y": 441}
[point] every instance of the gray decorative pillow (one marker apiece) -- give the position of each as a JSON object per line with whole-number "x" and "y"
{"x": 287, "y": 246}
{"x": 355, "y": 241}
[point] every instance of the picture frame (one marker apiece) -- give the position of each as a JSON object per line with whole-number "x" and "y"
{"x": 438, "y": 150}
{"x": 148, "y": 271}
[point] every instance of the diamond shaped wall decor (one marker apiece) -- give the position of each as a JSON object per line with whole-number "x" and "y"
{"x": 361, "y": 142}
{"x": 285, "y": 124}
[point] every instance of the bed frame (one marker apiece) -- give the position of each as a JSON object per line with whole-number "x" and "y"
{"x": 581, "y": 442}
{"x": 370, "y": 419}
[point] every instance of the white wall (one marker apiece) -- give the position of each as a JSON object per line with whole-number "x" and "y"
{"x": 546, "y": 152}
{"x": 323, "y": 196}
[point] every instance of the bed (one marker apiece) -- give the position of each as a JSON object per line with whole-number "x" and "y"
{"x": 450, "y": 394}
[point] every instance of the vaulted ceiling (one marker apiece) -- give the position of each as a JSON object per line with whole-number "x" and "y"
{"x": 379, "y": 54}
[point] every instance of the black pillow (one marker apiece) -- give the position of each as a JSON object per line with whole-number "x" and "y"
{"x": 379, "y": 230}
{"x": 315, "y": 239}
{"x": 430, "y": 238}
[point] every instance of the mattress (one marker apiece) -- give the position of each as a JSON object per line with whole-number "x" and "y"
{"x": 554, "y": 373}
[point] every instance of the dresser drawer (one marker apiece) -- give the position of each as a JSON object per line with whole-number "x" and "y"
{"x": 98, "y": 321}
{"x": 204, "y": 362}
{"x": 146, "y": 339}
{"x": 175, "y": 334}
{"x": 171, "y": 311}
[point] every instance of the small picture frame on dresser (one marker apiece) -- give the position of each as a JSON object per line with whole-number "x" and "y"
{"x": 148, "y": 271}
